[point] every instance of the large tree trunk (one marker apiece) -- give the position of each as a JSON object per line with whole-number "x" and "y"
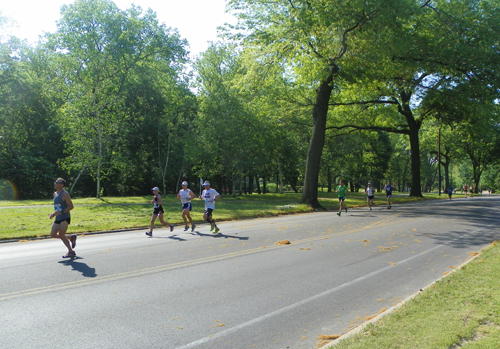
{"x": 319, "y": 114}
{"x": 414, "y": 127}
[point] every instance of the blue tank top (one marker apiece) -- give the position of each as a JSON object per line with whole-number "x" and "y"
{"x": 60, "y": 205}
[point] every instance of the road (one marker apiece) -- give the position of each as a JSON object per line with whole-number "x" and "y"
{"x": 239, "y": 289}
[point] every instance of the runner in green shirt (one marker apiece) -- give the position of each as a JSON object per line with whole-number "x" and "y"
{"x": 340, "y": 190}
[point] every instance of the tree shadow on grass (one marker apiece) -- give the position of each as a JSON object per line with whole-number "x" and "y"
{"x": 80, "y": 267}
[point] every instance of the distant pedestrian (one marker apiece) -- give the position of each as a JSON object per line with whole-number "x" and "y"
{"x": 62, "y": 206}
{"x": 489, "y": 191}
{"x": 157, "y": 211}
{"x": 450, "y": 191}
{"x": 209, "y": 195}
{"x": 471, "y": 191}
{"x": 370, "y": 195}
{"x": 185, "y": 195}
{"x": 340, "y": 190}
{"x": 388, "y": 193}
{"x": 465, "y": 188}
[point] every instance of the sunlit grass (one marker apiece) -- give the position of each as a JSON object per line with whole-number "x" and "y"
{"x": 29, "y": 218}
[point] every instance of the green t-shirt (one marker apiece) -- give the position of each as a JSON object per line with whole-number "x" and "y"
{"x": 341, "y": 190}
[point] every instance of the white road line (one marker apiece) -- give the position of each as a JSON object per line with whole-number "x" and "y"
{"x": 307, "y": 300}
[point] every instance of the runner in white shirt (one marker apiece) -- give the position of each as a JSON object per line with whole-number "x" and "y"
{"x": 185, "y": 195}
{"x": 370, "y": 195}
{"x": 210, "y": 195}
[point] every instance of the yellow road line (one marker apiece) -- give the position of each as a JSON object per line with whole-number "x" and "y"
{"x": 162, "y": 268}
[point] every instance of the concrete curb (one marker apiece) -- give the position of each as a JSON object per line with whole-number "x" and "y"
{"x": 361, "y": 327}
{"x": 87, "y": 233}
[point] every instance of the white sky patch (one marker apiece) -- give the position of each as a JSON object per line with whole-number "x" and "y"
{"x": 196, "y": 20}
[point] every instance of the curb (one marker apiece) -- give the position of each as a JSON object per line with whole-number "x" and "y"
{"x": 87, "y": 233}
{"x": 361, "y": 327}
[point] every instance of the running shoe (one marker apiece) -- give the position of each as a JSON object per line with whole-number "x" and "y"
{"x": 148, "y": 233}
{"x": 171, "y": 227}
{"x": 73, "y": 240}
{"x": 212, "y": 227}
{"x": 346, "y": 210}
{"x": 186, "y": 227}
{"x": 192, "y": 227}
{"x": 216, "y": 231}
{"x": 338, "y": 214}
{"x": 70, "y": 254}
{"x": 370, "y": 208}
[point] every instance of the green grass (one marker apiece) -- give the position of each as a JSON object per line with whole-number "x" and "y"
{"x": 114, "y": 213}
{"x": 461, "y": 310}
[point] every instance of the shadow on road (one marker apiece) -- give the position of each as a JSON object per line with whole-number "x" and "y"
{"x": 80, "y": 267}
{"x": 220, "y": 235}
{"x": 480, "y": 222}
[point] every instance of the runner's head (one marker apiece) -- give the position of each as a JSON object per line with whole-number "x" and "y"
{"x": 184, "y": 184}
{"x": 59, "y": 183}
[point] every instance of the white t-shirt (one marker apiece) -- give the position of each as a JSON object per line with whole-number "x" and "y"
{"x": 369, "y": 191}
{"x": 185, "y": 195}
{"x": 209, "y": 195}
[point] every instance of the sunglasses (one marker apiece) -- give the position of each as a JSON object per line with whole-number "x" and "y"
{"x": 57, "y": 182}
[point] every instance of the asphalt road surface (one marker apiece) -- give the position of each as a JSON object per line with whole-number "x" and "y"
{"x": 238, "y": 289}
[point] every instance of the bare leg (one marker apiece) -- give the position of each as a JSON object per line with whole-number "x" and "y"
{"x": 59, "y": 231}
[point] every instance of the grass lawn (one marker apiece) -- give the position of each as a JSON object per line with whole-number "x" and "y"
{"x": 28, "y": 219}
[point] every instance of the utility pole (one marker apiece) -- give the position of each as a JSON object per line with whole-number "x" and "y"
{"x": 439, "y": 161}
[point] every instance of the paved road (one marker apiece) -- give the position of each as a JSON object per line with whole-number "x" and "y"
{"x": 239, "y": 289}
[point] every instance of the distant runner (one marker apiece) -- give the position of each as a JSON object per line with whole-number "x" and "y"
{"x": 185, "y": 195}
{"x": 209, "y": 195}
{"x": 340, "y": 190}
{"x": 450, "y": 191}
{"x": 370, "y": 195}
{"x": 388, "y": 193}
{"x": 157, "y": 211}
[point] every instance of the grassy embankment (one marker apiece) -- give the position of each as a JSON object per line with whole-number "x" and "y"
{"x": 29, "y": 219}
{"x": 462, "y": 310}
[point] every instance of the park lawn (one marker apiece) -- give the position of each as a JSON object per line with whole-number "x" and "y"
{"x": 29, "y": 219}
{"x": 461, "y": 310}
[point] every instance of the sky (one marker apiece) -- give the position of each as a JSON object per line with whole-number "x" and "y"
{"x": 196, "y": 20}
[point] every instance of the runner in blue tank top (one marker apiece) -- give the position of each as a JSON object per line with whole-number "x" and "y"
{"x": 62, "y": 206}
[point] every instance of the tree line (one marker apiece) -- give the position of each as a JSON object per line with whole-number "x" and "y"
{"x": 298, "y": 93}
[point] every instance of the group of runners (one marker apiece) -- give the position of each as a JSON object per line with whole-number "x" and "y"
{"x": 209, "y": 195}
{"x": 341, "y": 189}
{"x": 63, "y": 205}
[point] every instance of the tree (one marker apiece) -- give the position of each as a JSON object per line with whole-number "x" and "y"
{"x": 29, "y": 143}
{"x": 315, "y": 38}
{"x": 99, "y": 47}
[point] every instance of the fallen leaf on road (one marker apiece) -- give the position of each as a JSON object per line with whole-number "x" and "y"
{"x": 283, "y": 242}
{"x": 325, "y": 337}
